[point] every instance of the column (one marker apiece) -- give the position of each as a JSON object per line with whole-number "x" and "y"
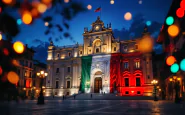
{"x": 62, "y": 80}
{"x": 74, "y": 76}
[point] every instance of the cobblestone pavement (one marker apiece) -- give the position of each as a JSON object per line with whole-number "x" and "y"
{"x": 93, "y": 107}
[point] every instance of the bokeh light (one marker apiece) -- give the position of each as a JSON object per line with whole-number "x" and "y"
{"x": 182, "y": 4}
{"x": 182, "y": 65}
{"x": 180, "y": 12}
{"x": 89, "y": 7}
{"x": 170, "y": 60}
{"x": 173, "y": 30}
{"x": 169, "y": 20}
{"x": 13, "y": 77}
{"x": 66, "y": 1}
{"x": 46, "y": 23}
{"x": 7, "y": 1}
{"x": 145, "y": 44}
{"x": 174, "y": 68}
{"x": 0, "y": 9}
{"x": 27, "y": 17}
{"x": 140, "y": 1}
{"x": 1, "y": 36}
{"x": 19, "y": 21}
{"x": 111, "y": 1}
{"x": 47, "y": 1}
{"x": 42, "y": 8}
{"x": 34, "y": 12}
{"x": 18, "y": 47}
{"x": 5, "y": 51}
{"x": 148, "y": 23}
{"x": 15, "y": 62}
{"x": 1, "y": 70}
{"x": 128, "y": 16}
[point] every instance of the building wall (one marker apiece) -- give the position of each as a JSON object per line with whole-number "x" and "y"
{"x": 99, "y": 43}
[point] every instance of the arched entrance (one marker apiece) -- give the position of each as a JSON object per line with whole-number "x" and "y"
{"x": 97, "y": 84}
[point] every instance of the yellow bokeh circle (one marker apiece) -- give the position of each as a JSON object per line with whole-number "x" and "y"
{"x": 128, "y": 16}
{"x": 18, "y": 47}
{"x": 12, "y": 77}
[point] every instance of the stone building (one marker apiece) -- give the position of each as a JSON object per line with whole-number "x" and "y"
{"x": 102, "y": 64}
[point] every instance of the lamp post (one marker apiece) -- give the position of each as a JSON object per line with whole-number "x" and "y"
{"x": 154, "y": 82}
{"x": 175, "y": 80}
{"x": 42, "y": 75}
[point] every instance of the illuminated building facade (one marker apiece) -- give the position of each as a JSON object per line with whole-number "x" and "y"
{"x": 101, "y": 64}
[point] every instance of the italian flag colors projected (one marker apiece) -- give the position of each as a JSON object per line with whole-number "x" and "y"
{"x": 109, "y": 73}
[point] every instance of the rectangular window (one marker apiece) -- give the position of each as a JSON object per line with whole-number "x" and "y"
{"x": 136, "y": 46}
{"x": 126, "y": 82}
{"x": 114, "y": 48}
{"x": 80, "y": 52}
{"x": 126, "y": 65}
{"x": 25, "y": 73}
{"x": 68, "y": 69}
{"x": 18, "y": 72}
{"x": 30, "y": 65}
{"x": 138, "y": 82}
{"x": 33, "y": 82}
{"x": 58, "y": 55}
{"x": 30, "y": 75}
{"x": 24, "y": 83}
{"x": 57, "y": 71}
{"x": 56, "y": 84}
{"x": 68, "y": 84}
{"x": 137, "y": 64}
{"x": 69, "y": 54}
{"x": 27, "y": 63}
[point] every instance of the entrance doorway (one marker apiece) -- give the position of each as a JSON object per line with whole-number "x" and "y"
{"x": 97, "y": 84}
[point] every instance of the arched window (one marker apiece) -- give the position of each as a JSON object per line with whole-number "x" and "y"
{"x": 97, "y": 50}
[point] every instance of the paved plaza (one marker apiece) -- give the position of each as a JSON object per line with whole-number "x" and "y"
{"x": 93, "y": 107}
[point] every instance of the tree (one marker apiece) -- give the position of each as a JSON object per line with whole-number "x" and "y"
{"x": 9, "y": 28}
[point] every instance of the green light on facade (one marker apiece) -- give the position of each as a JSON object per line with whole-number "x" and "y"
{"x": 174, "y": 68}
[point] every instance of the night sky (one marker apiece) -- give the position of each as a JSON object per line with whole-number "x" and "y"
{"x": 150, "y": 10}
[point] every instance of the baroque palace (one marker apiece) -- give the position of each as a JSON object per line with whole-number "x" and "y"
{"x": 101, "y": 64}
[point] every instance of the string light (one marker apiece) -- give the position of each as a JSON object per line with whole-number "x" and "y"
{"x": 173, "y": 30}
{"x": 128, "y": 16}
{"x": 111, "y": 1}
{"x": 42, "y": 8}
{"x": 18, "y": 47}
{"x": 66, "y": 1}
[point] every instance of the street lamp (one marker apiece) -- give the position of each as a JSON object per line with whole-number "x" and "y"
{"x": 42, "y": 75}
{"x": 175, "y": 80}
{"x": 154, "y": 82}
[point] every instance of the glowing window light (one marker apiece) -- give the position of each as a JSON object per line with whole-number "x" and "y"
{"x": 18, "y": 47}
{"x": 174, "y": 68}
{"x": 169, "y": 20}
{"x": 148, "y": 23}
{"x": 182, "y": 65}
{"x": 27, "y": 17}
{"x": 19, "y": 21}
{"x": 170, "y": 60}
{"x": 180, "y": 12}
{"x": 1, "y": 37}
{"x": 173, "y": 30}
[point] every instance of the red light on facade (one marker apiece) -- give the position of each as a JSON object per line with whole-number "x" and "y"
{"x": 182, "y": 4}
{"x": 5, "y": 51}
{"x": 180, "y": 12}
{"x": 27, "y": 83}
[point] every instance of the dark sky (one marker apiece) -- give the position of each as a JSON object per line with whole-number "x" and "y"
{"x": 151, "y": 10}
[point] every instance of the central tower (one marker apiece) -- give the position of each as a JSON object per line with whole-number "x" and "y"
{"x": 98, "y": 39}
